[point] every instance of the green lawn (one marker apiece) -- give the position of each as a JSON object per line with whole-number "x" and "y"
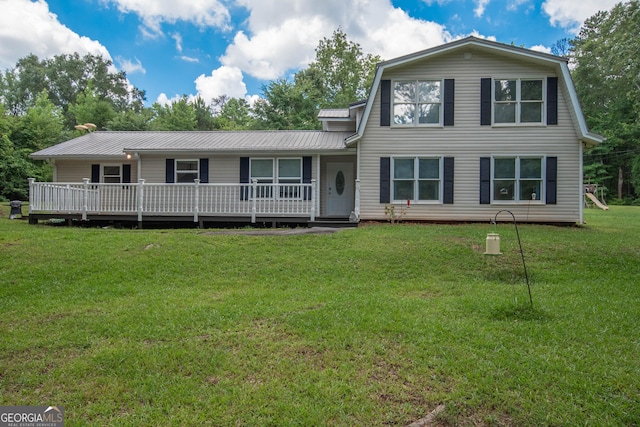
{"x": 373, "y": 326}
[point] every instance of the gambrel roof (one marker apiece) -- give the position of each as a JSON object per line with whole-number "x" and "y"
{"x": 469, "y": 43}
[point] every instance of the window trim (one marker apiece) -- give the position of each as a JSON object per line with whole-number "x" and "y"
{"x": 103, "y": 175}
{"x": 416, "y": 122}
{"x": 275, "y": 177}
{"x": 540, "y": 198}
{"x": 519, "y": 101}
{"x": 416, "y": 179}
{"x": 177, "y": 171}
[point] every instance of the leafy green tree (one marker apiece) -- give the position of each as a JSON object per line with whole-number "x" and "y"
{"x": 90, "y": 108}
{"x": 41, "y": 126}
{"x": 15, "y": 165}
{"x": 606, "y": 73}
{"x": 204, "y": 116}
{"x": 179, "y": 115}
{"x": 65, "y": 77}
{"x": 235, "y": 114}
{"x": 286, "y": 106}
{"x": 341, "y": 72}
{"x": 131, "y": 120}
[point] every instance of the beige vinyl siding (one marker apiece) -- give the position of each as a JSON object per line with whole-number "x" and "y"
{"x": 223, "y": 169}
{"x": 74, "y": 171}
{"x": 467, "y": 141}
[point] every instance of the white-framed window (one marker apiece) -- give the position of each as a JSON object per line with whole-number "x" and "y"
{"x": 418, "y": 179}
{"x": 417, "y": 102}
{"x": 187, "y": 171}
{"x": 111, "y": 174}
{"x": 518, "y": 101}
{"x": 518, "y": 178}
{"x": 277, "y": 171}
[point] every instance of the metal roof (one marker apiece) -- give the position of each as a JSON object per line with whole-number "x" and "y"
{"x": 334, "y": 113}
{"x": 115, "y": 144}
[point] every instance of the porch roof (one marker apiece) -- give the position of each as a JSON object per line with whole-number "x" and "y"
{"x": 116, "y": 144}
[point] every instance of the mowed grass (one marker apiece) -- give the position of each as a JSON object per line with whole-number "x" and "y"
{"x": 373, "y": 326}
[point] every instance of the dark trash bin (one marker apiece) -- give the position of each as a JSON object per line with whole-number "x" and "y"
{"x": 16, "y": 209}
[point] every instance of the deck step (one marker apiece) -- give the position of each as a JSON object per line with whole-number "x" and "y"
{"x": 333, "y": 222}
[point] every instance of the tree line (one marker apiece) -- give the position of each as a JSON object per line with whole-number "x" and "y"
{"x": 41, "y": 100}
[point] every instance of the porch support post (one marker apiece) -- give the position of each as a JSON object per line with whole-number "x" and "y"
{"x": 357, "y": 201}
{"x": 254, "y": 193}
{"x": 67, "y": 198}
{"x": 85, "y": 199}
{"x": 314, "y": 199}
{"x": 196, "y": 199}
{"x": 31, "y": 195}
{"x": 140, "y": 199}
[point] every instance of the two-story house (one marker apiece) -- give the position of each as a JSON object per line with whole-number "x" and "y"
{"x": 453, "y": 133}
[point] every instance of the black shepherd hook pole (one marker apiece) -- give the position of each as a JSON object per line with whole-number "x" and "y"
{"x": 526, "y": 275}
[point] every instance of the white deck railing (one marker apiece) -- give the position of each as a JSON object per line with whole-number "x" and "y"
{"x": 233, "y": 200}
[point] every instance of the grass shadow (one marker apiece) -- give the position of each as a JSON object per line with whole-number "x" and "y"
{"x": 519, "y": 311}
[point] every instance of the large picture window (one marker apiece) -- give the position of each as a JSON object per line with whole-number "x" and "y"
{"x": 518, "y": 101}
{"x": 517, "y": 178}
{"x": 187, "y": 171}
{"x": 278, "y": 171}
{"x": 416, "y": 179}
{"x": 417, "y": 102}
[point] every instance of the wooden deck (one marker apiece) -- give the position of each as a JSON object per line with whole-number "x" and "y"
{"x": 198, "y": 204}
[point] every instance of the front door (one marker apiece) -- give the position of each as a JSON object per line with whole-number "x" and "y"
{"x": 339, "y": 188}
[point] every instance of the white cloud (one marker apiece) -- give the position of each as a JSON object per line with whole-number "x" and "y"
{"x": 481, "y": 5}
{"x": 222, "y": 81}
{"x": 277, "y": 42}
{"x": 29, "y": 27}
{"x": 572, "y": 14}
{"x": 203, "y": 13}
{"x": 189, "y": 59}
{"x": 129, "y": 66}
{"x": 541, "y": 48}
{"x": 178, "y": 39}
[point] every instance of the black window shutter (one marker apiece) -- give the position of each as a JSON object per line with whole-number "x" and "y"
{"x": 552, "y": 180}
{"x": 485, "y": 102}
{"x": 385, "y": 102}
{"x": 448, "y": 181}
{"x": 306, "y": 175}
{"x": 552, "y": 100}
{"x": 385, "y": 179}
{"x": 204, "y": 171}
{"x": 485, "y": 180}
{"x": 244, "y": 178}
{"x": 449, "y": 98}
{"x": 170, "y": 171}
{"x": 95, "y": 173}
{"x": 126, "y": 174}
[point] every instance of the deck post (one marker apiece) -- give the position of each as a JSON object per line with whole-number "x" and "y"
{"x": 67, "y": 198}
{"x": 85, "y": 198}
{"x": 31, "y": 195}
{"x": 140, "y": 199}
{"x": 196, "y": 199}
{"x": 254, "y": 196}
{"x": 313, "y": 200}
{"x": 356, "y": 209}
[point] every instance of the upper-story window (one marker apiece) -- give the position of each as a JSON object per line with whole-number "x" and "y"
{"x": 518, "y": 101}
{"x": 417, "y": 102}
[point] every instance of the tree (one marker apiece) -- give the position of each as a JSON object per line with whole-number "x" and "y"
{"x": 341, "y": 72}
{"x": 606, "y": 79}
{"x": 179, "y": 115}
{"x": 286, "y": 106}
{"x": 41, "y": 126}
{"x": 234, "y": 114}
{"x": 90, "y": 108}
{"x": 65, "y": 77}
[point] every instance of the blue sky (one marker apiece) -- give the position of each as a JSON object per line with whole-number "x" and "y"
{"x": 213, "y": 47}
